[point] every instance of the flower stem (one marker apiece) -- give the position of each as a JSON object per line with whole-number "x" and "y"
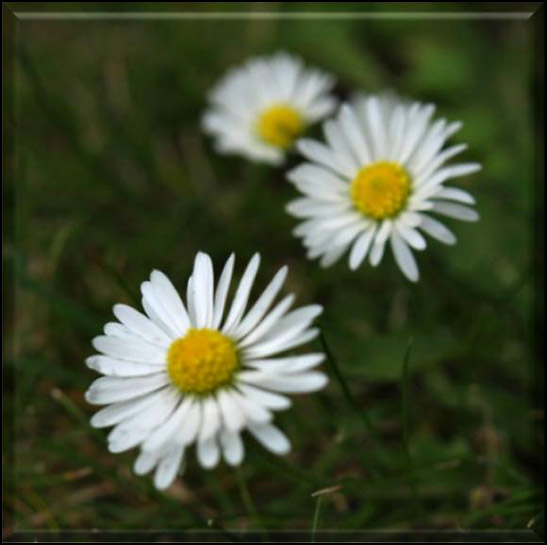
{"x": 315, "y": 522}
{"x": 406, "y": 431}
{"x": 350, "y": 399}
{"x": 246, "y": 497}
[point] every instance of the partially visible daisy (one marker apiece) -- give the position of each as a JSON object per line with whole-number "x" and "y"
{"x": 378, "y": 178}
{"x": 259, "y": 109}
{"x": 201, "y": 372}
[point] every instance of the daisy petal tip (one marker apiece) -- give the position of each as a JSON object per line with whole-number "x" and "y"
{"x": 157, "y": 276}
{"x": 284, "y": 449}
{"x": 414, "y": 277}
{"x": 95, "y": 422}
{"x": 236, "y": 462}
{"x": 321, "y": 381}
{"x": 95, "y": 342}
{"x": 163, "y": 484}
{"x": 118, "y": 308}
{"x": 114, "y": 448}
{"x": 91, "y": 362}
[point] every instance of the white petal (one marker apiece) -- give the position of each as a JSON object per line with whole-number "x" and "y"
{"x": 170, "y": 300}
{"x": 437, "y": 230}
{"x": 121, "y": 368}
{"x": 155, "y": 317}
{"x": 309, "y": 175}
{"x": 165, "y": 433}
{"x": 427, "y": 170}
{"x": 146, "y": 461}
{"x": 361, "y": 247}
{"x": 455, "y": 194}
{"x": 409, "y": 219}
{"x": 293, "y": 364}
{"x": 254, "y": 412}
{"x": 114, "y": 329}
{"x": 376, "y": 253}
{"x": 354, "y": 134}
{"x": 268, "y": 322}
{"x": 157, "y": 312}
{"x": 309, "y": 207}
{"x": 232, "y": 415}
{"x": 222, "y": 291}
{"x": 383, "y": 232}
{"x": 404, "y": 257}
{"x": 140, "y": 325}
{"x": 210, "y": 418}
{"x": 115, "y": 413}
{"x": 135, "y": 350}
{"x": 377, "y": 127}
{"x": 132, "y": 431}
{"x": 346, "y": 236}
{"x": 417, "y": 125}
{"x": 208, "y": 452}
{"x": 262, "y": 304}
{"x": 270, "y": 437}
{"x": 457, "y": 211}
{"x": 396, "y": 131}
{"x": 446, "y": 173}
{"x": 203, "y": 278}
{"x": 271, "y": 400}
{"x": 319, "y": 153}
{"x": 280, "y": 345}
{"x": 232, "y": 447}
{"x": 343, "y": 153}
{"x": 429, "y": 146}
{"x": 191, "y": 300}
{"x": 292, "y": 324}
{"x": 168, "y": 467}
{"x": 113, "y": 389}
{"x": 290, "y": 384}
{"x": 242, "y": 295}
{"x": 333, "y": 254}
{"x": 189, "y": 428}
{"x": 411, "y": 236}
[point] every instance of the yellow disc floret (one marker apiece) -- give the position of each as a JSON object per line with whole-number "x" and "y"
{"x": 202, "y": 361}
{"x": 279, "y": 125}
{"x": 381, "y": 190}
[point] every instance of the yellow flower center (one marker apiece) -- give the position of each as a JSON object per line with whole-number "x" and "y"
{"x": 380, "y": 190}
{"x": 279, "y": 125}
{"x": 202, "y": 361}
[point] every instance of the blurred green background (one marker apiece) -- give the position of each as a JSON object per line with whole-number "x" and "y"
{"x": 113, "y": 178}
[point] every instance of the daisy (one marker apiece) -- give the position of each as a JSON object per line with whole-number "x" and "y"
{"x": 259, "y": 109}
{"x": 378, "y": 178}
{"x": 201, "y": 373}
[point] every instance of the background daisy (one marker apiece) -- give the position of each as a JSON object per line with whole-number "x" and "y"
{"x": 201, "y": 372}
{"x": 259, "y": 109}
{"x": 378, "y": 178}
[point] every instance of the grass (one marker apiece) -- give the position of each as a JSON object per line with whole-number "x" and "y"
{"x": 113, "y": 178}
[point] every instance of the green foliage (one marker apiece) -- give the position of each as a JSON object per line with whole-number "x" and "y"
{"x": 113, "y": 178}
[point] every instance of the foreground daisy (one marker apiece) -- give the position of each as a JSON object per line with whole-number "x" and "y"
{"x": 201, "y": 372}
{"x": 259, "y": 109}
{"x": 377, "y": 179}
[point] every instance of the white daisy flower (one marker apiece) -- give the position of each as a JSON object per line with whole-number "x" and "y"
{"x": 200, "y": 372}
{"x": 378, "y": 177}
{"x": 259, "y": 109}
